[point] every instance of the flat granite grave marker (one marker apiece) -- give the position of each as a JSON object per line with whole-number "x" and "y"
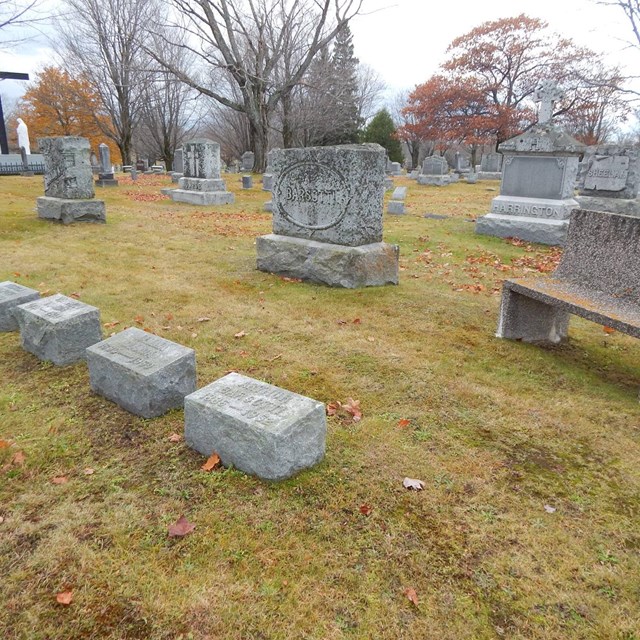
{"x": 58, "y": 328}
{"x": 141, "y": 372}
{"x": 68, "y": 182}
{"x": 13, "y": 294}
{"x": 201, "y": 183}
{"x": 258, "y": 428}
{"x": 327, "y": 217}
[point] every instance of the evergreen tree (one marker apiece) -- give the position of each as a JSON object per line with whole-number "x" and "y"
{"x": 344, "y": 67}
{"x": 382, "y": 130}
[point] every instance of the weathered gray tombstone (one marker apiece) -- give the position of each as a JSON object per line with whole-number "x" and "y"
{"x": 141, "y": 372}
{"x": 472, "y": 178}
{"x": 105, "y": 177}
{"x": 178, "y": 166}
{"x": 435, "y": 171}
{"x": 396, "y": 204}
{"x": 388, "y": 183}
{"x": 490, "y": 166}
{"x": 608, "y": 180}
{"x": 256, "y": 427}
{"x": 13, "y": 294}
{"x": 24, "y": 157}
{"x": 538, "y": 179}
{"x": 247, "y": 182}
{"x": 68, "y": 182}
{"x": 201, "y": 183}
{"x": 414, "y": 174}
{"x": 247, "y": 161}
{"x": 58, "y": 328}
{"x": 462, "y": 164}
{"x": 396, "y": 168}
{"x": 267, "y": 176}
{"x": 327, "y": 217}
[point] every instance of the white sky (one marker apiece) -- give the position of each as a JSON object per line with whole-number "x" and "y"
{"x": 406, "y": 40}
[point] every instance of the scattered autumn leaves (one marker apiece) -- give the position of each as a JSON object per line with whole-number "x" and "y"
{"x": 347, "y": 412}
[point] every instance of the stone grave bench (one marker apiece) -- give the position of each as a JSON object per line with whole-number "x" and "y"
{"x": 598, "y": 278}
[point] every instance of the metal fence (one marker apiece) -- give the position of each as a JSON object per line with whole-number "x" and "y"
{"x": 16, "y": 168}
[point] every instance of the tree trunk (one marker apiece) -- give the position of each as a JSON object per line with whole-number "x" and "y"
{"x": 287, "y": 129}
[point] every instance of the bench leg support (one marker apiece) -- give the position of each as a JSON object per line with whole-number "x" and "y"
{"x": 523, "y": 318}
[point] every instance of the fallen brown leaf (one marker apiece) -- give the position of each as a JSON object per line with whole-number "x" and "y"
{"x": 353, "y": 407}
{"x": 110, "y": 325}
{"x": 139, "y": 319}
{"x": 240, "y": 334}
{"x": 212, "y": 462}
{"x": 180, "y": 528}
{"x": 411, "y": 595}
{"x": 60, "y": 480}
{"x": 175, "y": 437}
{"x": 88, "y": 471}
{"x": 404, "y": 423}
{"x": 332, "y": 408}
{"x": 18, "y": 458}
{"x": 365, "y": 510}
{"x": 204, "y": 319}
{"x": 608, "y": 330}
{"x": 64, "y": 597}
{"x": 4, "y": 444}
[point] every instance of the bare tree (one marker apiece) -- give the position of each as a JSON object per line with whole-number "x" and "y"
{"x": 631, "y": 9}
{"x": 16, "y": 16}
{"x": 100, "y": 39}
{"x": 250, "y": 39}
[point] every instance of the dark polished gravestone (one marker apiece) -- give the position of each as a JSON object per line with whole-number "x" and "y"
{"x": 141, "y": 372}
{"x": 327, "y": 217}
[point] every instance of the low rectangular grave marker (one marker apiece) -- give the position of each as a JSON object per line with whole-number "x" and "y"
{"x": 258, "y": 428}
{"x": 12, "y": 295}
{"x": 58, "y": 328}
{"x": 141, "y": 372}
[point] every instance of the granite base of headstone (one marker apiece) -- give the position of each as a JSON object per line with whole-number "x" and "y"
{"x": 143, "y": 373}
{"x": 175, "y": 177}
{"x": 13, "y": 294}
{"x": 58, "y": 329}
{"x": 247, "y": 182}
{"x": 609, "y": 179}
{"x": 327, "y": 217}
{"x": 201, "y": 183}
{"x": 260, "y": 429}
{"x": 68, "y": 182}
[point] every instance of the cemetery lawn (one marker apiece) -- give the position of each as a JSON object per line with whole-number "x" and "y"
{"x": 529, "y": 522}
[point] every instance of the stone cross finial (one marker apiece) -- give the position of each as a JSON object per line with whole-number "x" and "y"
{"x": 547, "y": 93}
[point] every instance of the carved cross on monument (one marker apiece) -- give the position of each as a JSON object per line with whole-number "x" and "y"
{"x": 7, "y": 75}
{"x": 547, "y": 93}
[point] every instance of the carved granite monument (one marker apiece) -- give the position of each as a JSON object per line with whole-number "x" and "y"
{"x": 435, "y": 171}
{"x": 538, "y": 179}
{"x": 609, "y": 178}
{"x": 201, "y": 183}
{"x": 68, "y": 182}
{"x": 327, "y": 217}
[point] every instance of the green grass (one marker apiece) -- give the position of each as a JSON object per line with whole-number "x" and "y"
{"x": 497, "y": 430}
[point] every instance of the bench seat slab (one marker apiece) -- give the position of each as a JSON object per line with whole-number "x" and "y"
{"x": 536, "y": 309}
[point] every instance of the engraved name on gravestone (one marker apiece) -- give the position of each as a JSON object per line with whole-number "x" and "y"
{"x": 141, "y": 372}
{"x": 329, "y": 194}
{"x": 67, "y": 167}
{"x": 607, "y": 173}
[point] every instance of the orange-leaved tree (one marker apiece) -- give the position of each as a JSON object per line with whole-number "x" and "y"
{"x": 447, "y": 111}
{"x": 508, "y": 58}
{"x": 57, "y": 104}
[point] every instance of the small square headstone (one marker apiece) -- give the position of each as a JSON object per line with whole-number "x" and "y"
{"x": 258, "y": 428}
{"x": 58, "y": 328}
{"x": 141, "y": 372}
{"x": 12, "y": 295}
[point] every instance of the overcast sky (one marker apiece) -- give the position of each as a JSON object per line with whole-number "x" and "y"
{"x": 406, "y": 40}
